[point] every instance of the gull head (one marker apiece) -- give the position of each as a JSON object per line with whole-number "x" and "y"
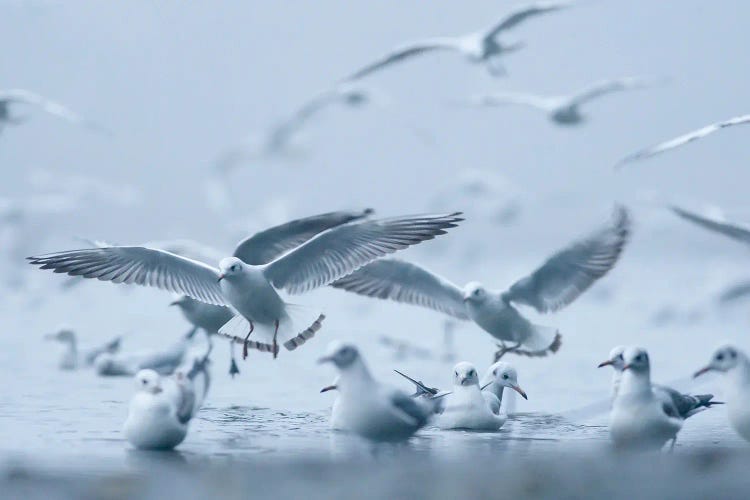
{"x": 230, "y": 268}
{"x": 475, "y": 293}
{"x": 464, "y": 374}
{"x": 505, "y": 375}
{"x": 615, "y": 359}
{"x": 636, "y": 360}
{"x": 341, "y": 355}
{"x": 148, "y": 381}
{"x": 62, "y": 335}
{"x": 723, "y": 360}
{"x": 183, "y": 302}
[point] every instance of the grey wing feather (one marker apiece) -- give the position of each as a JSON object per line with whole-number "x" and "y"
{"x": 523, "y": 13}
{"x": 186, "y": 404}
{"x": 734, "y": 231}
{"x": 570, "y": 272}
{"x": 686, "y": 405}
{"x": 403, "y": 53}
{"x": 141, "y": 266}
{"x": 264, "y": 246}
{"x": 408, "y": 283}
{"x": 338, "y": 252}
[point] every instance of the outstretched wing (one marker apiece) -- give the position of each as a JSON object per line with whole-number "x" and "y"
{"x": 140, "y": 266}
{"x": 503, "y": 98}
{"x": 338, "y": 252}
{"x": 570, "y": 272}
{"x": 683, "y": 139}
{"x": 604, "y": 87}
{"x": 734, "y": 231}
{"x": 523, "y": 13}
{"x": 48, "y": 106}
{"x": 403, "y": 53}
{"x": 267, "y": 245}
{"x": 408, "y": 283}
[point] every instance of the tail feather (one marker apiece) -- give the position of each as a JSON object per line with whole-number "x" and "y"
{"x": 541, "y": 341}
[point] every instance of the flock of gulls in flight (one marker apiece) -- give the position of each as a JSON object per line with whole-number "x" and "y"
{"x": 240, "y": 297}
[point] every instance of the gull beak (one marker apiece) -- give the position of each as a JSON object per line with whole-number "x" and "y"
{"x": 325, "y": 359}
{"x": 221, "y": 277}
{"x": 626, "y": 367}
{"x": 328, "y": 388}
{"x": 520, "y": 391}
{"x": 605, "y": 363}
{"x": 702, "y": 371}
{"x": 174, "y": 303}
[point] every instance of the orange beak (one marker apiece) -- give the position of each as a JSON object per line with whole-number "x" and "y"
{"x": 702, "y": 371}
{"x": 520, "y": 391}
{"x": 221, "y": 277}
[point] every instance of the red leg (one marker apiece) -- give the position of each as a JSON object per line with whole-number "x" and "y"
{"x": 244, "y": 346}
{"x": 275, "y": 345}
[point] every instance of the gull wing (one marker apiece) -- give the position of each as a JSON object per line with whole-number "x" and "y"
{"x": 571, "y": 271}
{"x": 734, "y": 231}
{"x": 141, "y": 266}
{"x": 683, "y": 139}
{"x": 339, "y": 251}
{"x": 403, "y": 53}
{"x": 264, "y": 246}
{"x": 408, "y": 283}
{"x": 521, "y": 14}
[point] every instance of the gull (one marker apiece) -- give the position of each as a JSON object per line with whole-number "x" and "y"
{"x": 735, "y": 366}
{"x": 467, "y": 406}
{"x": 557, "y": 283}
{"x": 337, "y": 421}
{"x": 686, "y": 405}
{"x": 11, "y": 97}
{"x": 164, "y": 361}
{"x": 639, "y": 418}
{"x": 565, "y": 109}
{"x": 162, "y": 407}
{"x": 260, "y": 248}
{"x": 252, "y": 290}
{"x": 368, "y": 408}
{"x": 682, "y": 140}
{"x": 737, "y": 232}
{"x": 403, "y": 349}
{"x": 280, "y": 140}
{"x": 481, "y": 47}
{"x": 72, "y": 358}
{"x": 499, "y": 376}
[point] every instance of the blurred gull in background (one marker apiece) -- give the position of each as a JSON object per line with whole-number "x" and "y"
{"x": 562, "y": 110}
{"x": 75, "y": 357}
{"x": 481, "y": 47}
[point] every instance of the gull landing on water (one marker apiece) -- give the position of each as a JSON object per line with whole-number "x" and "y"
{"x": 554, "y": 285}
{"x": 481, "y": 47}
{"x": 252, "y": 290}
{"x": 682, "y": 140}
{"x": 12, "y": 97}
{"x": 562, "y": 110}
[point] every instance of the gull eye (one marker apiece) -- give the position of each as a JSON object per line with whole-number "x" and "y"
{"x": 144, "y": 381}
{"x": 720, "y": 357}
{"x": 639, "y": 358}
{"x": 505, "y": 376}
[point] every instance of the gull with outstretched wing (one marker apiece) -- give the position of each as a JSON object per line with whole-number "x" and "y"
{"x": 554, "y": 285}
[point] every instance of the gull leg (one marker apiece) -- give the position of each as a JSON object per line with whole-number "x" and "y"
{"x": 504, "y": 349}
{"x": 671, "y": 447}
{"x": 233, "y": 368}
{"x": 275, "y": 345}
{"x": 244, "y": 346}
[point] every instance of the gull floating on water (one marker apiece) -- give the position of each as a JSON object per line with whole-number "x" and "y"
{"x": 682, "y": 140}
{"x": 368, "y": 408}
{"x": 735, "y": 366}
{"x": 164, "y": 361}
{"x": 686, "y": 405}
{"x": 467, "y": 406}
{"x": 252, "y": 290}
{"x": 566, "y": 109}
{"x": 162, "y": 407}
{"x": 73, "y": 358}
{"x": 557, "y": 283}
{"x": 639, "y": 419}
{"x": 13, "y": 97}
{"x": 482, "y": 47}
{"x": 499, "y": 376}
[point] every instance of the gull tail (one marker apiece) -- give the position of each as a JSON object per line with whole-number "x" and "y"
{"x": 300, "y": 325}
{"x": 702, "y": 402}
{"x": 541, "y": 341}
